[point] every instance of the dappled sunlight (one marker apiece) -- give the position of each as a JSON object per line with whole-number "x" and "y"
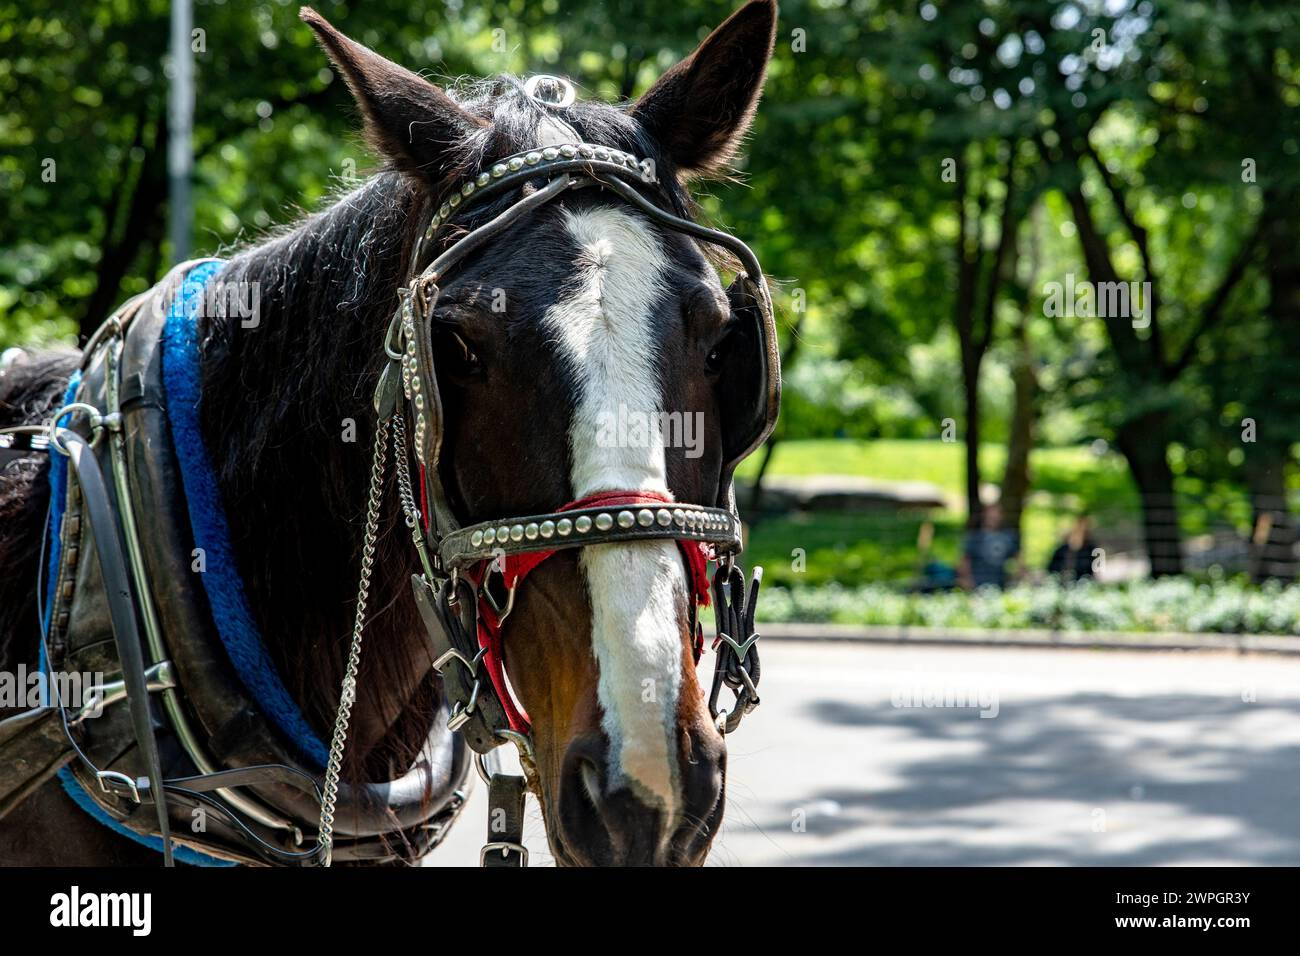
{"x": 1093, "y": 759}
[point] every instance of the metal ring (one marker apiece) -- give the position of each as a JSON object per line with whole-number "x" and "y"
{"x": 523, "y": 743}
{"x": 567, "y": 94}
{"x": 53, "y": 428}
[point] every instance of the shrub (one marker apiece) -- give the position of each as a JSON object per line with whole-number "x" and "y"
{"x": 1168, "y": 604}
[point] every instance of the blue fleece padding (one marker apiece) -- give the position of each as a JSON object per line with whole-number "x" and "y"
{"x": 73, "y": 788}
{"x": 182, "y": 378}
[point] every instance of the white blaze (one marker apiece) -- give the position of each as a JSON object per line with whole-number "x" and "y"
{"x": 604, "y": 331}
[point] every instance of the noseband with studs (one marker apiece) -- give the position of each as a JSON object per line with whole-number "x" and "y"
{"x": 461, "y": 605}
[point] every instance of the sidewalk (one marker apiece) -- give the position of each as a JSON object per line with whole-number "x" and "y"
{"x": 974, "y": 637}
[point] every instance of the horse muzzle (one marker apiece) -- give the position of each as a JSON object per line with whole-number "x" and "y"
{"x": 596, "y": 825}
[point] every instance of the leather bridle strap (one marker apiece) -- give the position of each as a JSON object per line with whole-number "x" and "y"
{"x": 505, "y": 837}
{"x": 601, "y": 519}
{"x": 610, "y": 516}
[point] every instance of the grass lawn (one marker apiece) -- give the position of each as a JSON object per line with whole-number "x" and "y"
{"x": 882, "y": 546}
{"x": 1077, "y": 471}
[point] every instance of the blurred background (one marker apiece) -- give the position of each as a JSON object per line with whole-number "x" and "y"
{"x": 1038, "y": 277}
{"x": 929, "y": 184}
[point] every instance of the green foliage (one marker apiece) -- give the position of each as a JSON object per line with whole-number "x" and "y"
{"x": 858, "y": 548}
{"x": 1170, "y": 604}
{"x": 840, "y": 190}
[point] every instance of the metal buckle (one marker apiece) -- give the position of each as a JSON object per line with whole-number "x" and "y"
{"x": 107, "y": 776}
{"x": 461, "y": 713}
{"x": 505, "y": 847}
{"x": 471, "y": 664}
{"x": 501, "y": 612}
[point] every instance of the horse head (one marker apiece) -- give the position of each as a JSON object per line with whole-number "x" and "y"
{"x": 588, "y": 350}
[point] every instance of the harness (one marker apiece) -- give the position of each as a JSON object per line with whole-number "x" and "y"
{"x": 192, "y": 742}
{"x": 185, "y": 740}
{"x": 471, "y": 573}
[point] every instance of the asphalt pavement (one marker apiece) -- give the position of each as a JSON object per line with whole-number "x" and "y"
{"x": 879, "y": 755}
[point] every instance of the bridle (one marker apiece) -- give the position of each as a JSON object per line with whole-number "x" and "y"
{"x": 470, "y": 574}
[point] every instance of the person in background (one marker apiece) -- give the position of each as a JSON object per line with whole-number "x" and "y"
{"x": 987, "y": 550}
{"x": 932, "y": 575}
{"x": 1073, "y": 557}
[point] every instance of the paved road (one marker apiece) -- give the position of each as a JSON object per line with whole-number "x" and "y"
{"x": 1085, "y": 757}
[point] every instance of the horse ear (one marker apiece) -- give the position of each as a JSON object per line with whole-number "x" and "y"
{"x": 702, "y": 107}
{"x": 408, "y": 119}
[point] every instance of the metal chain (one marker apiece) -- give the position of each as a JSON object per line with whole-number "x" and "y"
{"x": 348, "y": 695}
{"x": 407, "y": 495}
{"x": 404, "y": 474}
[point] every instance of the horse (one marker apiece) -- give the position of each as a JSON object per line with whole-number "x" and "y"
{"x": 579, "y": 291}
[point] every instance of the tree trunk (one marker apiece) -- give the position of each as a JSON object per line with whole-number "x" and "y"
{"x": 1273, "y": 536}
{"x": 756, "y": 491}
{"x": 1143, "y": 442}
{"x": 755, "y": 499}
{"x": 1015, "y": 480}
{"x": 1274, "y": 526}
{"x": 970, "y": 385}
{"x": 1024, "y": 379}
{"x": 144, "y": 216}
{"x": 974, "y": 314}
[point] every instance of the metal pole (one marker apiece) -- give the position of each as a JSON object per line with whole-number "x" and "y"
{"x": 180, "y": 124}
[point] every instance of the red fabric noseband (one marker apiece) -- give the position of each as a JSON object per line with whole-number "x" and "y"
{"x": 517, "y": 567}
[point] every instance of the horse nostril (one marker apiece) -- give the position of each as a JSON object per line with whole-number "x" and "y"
{"x": 599, "y": 827}
{"x": 592, "y": 782}
{"x": 581, "y": 823}
{"x": 703, "y": 799}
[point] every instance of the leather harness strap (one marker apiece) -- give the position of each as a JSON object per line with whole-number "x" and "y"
{"x": 118, "y": 762}
{"x": 126, "y": 626}
{"x": 505, "y": 834}
{"x": 33, "y": 746}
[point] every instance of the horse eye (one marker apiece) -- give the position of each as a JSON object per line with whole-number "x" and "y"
{"x": 467, "y": 354}
{"x": 713, "y": 361}
{"x": 460, "y": 359}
